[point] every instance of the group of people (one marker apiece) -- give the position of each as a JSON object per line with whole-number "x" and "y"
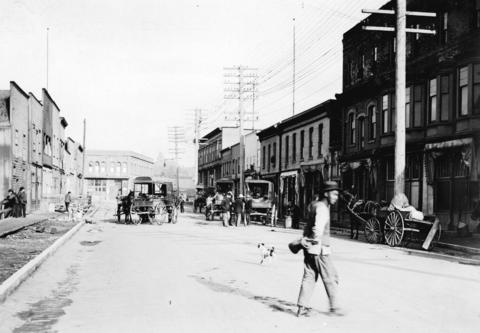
{"x": 14, "y": 205}
{"x": 234, "y": 210}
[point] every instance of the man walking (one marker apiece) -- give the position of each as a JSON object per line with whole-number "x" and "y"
{"x": 317, "y": 251}
{"x": 68, "y": 200}
{"x": 239, "y": 210}
{"x": 22, "y": 202}
{"x": 226, "y": 210}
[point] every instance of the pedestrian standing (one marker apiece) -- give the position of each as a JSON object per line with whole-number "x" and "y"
{"x": 248, "y": 209}
{"x": 9, "y": 204}
{"x": 226, "y": 210}
{"x": 68, "y": 200}
{"x": 22, "y": 202}
{"x": 317, "y": 259}
{"x": 182, "y": 204}
{"x": 239, "y": 207}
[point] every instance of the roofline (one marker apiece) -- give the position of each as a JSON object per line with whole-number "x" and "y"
{"x": 120, "y": 152}
{"x": 50, "y": 97}
{"x": 304, "y": 113}
{"x": 35, "y": 97}
{"x": 18, "y": 88}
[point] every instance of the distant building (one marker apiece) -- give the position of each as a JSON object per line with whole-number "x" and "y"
{"x": 108, "y": 171}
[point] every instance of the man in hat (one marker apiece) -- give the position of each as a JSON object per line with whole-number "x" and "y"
{"x": 317, "y": 251}
{"x": 239, "y": 207}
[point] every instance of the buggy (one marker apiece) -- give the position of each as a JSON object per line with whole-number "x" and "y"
{"x": 262, "y": 197}
{"x": 222, "y": 187}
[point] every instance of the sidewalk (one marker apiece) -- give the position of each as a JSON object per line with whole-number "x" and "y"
{"x": 13, "y": 224}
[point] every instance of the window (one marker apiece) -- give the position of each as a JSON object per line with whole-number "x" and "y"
{"x": 97, "y": 167}
{"x": 385, "y": 102}
{"x": 302, "y": 144}
{"x": 124, "y": 167}
{"x": 351, "y": 126}
{"x": 444, "y": 97}
{"x": 432, "y": 100}
{"x": 361, "y": 131}
{"x": 372, "y": 114}
{"x": 274, "y": 155}
{"x": 477, "y": 14}
{"x": 287, "y": 148}
{"x": 444, "y": 34}
{"x": 294, "y": 148}
{"x": 263, "y": 157}
{"x": 375, "y": 53}
{"x": 269, "y": 156}
{"x": 463, "y": 90}
{"x": 320, "y": 139}
{"x": 102, "y": 167}
{"x": 393, "y": 114}
{"x": 118, "y": 167}
{"x": 476, "y": 89}
{"x": 417, "y": 106}
{"x": 310, "y": 143}
{"x": 90, "y": 167}
{"x": 112, "y": 167}
{"x": 408, "y": 108}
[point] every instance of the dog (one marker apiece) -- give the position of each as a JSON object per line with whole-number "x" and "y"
{"x": 266, "y": 253}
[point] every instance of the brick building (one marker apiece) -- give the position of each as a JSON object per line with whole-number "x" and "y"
{"x": 108, "y": 171}
{"x": 442, "y": 109}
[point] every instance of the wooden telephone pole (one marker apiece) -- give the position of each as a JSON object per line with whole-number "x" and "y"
{"x": 400, "y": 80}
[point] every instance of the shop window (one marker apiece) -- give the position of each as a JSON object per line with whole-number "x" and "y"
{"x": 476, "y": 89}
{"x": 385, "y": 102}
{"x": 444, "y": 97}
{"x": 432, "y": 100}
{"x": 463, "y": 90}
{"x": 320, "y": 139}
{"x": 302, "y": 144}
{"x": 372, "y": 114}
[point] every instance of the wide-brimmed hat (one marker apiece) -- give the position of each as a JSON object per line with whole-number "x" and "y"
{"x": 240, "y": 196}
{"x": 330, "y": 186}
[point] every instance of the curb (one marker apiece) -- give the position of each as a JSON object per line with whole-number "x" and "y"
{"x": 14, "y": 281}
{"x": 466, "y": 249}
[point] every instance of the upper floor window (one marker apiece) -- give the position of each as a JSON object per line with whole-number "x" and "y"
{"x": 444, "y": 34}
{"x": 320, "y": 139}
{"x": 476, "y": 89}
{"x": 274, "y": 154}
{"x": 97, "y": 167}
{"x": 477, "y": 14}
{"x": 432, "y": 100}
{"x": 351, "y": 127}
{"x": 310, "y": 142}
{"x": 112, "y": 167}
{"x": 287, "y": 148}
{"x": 90, "y": 167}
{"x": 294, "y": 147}
{"x": 269, "y": 156}
{"x": 385, "y": 120}
{"x": 118, "y": 167}
{"x": 463, "y": 90}
{"x": 264, "y": 157}
{"x": 417, "y": 106}
{"x": 124, "y": 167}
{"x": 372, "y": 114}
{"x": 361, "y": 131}
{"x": 408, "y": 107}
{"x": 444, "y": 97}
{"x": 302, "y": 144}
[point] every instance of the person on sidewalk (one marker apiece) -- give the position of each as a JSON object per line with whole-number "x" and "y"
{"x": 239, "y": 207}
{"x": 68, "y": 200}
{"x": 9, "y": 204}
{"x": 248, "y": 209}
{"x": 226, "y": 210}
{"x": 22, "y": 202}
{"x": 316, "y": 243}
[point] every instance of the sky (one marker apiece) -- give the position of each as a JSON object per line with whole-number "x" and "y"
{"x": 133, "y": 69}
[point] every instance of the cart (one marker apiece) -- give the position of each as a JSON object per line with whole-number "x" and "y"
{"x": 222, "y": 187}
{"x": 392, "y": 226}
{"x": 262, "y": 197}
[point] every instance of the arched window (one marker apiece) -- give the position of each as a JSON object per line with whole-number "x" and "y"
{"x": 97, "y": 167}
{"x": 351, "y": 126}
{"x": 124, "y": 167}
{"x": 112, "y": 167}
{"x": 90, "y": 167}
{"x": 119, "y": 167}
{"x": 102, "y": 167}
{"x": 361, "y": 131}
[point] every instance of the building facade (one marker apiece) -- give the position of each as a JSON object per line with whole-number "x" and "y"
{"x": 110, "y": 171}
{"x": 442, "y": 110}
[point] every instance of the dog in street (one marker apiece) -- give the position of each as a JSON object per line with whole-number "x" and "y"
{"x": 266, "y": 253}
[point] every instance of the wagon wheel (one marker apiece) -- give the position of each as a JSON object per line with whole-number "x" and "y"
{"x": 394, "y": 228}
{"x": 136, "y": 218}
{"x": 373, "y": 234}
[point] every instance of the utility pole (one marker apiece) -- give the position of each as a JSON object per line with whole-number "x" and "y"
{"x": 196, "y": 127}
{"x": 176, "y": 136}
{"x": 83, "y": 155}
{"x": 240, "y": 87}
{"x": 293, "y": 81}
{"x": 400, "y": 79}
{"x": 48, "y": 30}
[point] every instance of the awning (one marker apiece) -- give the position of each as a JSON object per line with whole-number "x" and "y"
{"x": 448, "y": 144}
{"x": 289, "y": 174}
{"x": 312, "y": 166}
